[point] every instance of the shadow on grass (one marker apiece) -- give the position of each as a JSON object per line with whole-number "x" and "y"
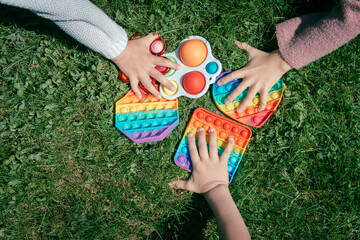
{"x": 189, "y": 225}
{"x": 14, "y": 16}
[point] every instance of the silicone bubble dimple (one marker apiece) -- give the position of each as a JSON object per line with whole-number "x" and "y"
{"x": 193, "y": 52}
{"x": 180, "y": 159}
{"x": 169, "y": 92}
{"x": 157, "y": 46}
{"x": 212, "y": 67}
{"x": 193, "y": 82}
{"x": 171, "y": 71}
{"x": 146, "y": 134}
{"x": 136, "y": 135}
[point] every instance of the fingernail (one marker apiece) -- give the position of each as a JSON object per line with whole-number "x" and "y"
{"x": 172, "y": 87}
{"x": 219, "y": 83}
{"x": 191, "y": 134}
{"x": 231, "y": 139}
{"x": 158, "y": 96}
{"x": 211, "y": 130}
{"x": 227, "y": 101}
{"x": 139, "y": 97}
{"x": 239, "y": 110}
{"x": 201, "y": 130}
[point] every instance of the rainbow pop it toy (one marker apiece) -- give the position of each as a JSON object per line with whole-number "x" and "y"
{"x": 225, "y": 128}
{"x": 198, "y": 69}
{"x": 146, "y": 120}
{"x": 250, "y": 116}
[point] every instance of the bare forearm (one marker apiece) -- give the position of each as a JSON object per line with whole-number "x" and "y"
{"x": 230, "y": 223}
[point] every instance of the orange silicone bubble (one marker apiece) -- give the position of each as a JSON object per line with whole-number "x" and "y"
{"x": 193, "y": 52}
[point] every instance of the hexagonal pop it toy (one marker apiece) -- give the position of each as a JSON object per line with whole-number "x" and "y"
{"x": 198, "y": 69}
{"x": 250, "y": 116}
{"x": 146, "y": 120}
{"x": 225, "y": 128}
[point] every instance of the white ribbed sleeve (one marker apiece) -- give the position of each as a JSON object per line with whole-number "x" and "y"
{"x": 82, "y": 20}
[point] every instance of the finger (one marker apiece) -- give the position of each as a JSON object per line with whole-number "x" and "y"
{"x": 228, "y": 149}
{"x": 163, "y": 61}
{"x": 213, "y": 153}
{"x": 178, "y": 184}
{"x": 263, "y": 100}
{"x": 246, "y": 47}
{"x": 203, "y": 150}
{"x": 194, "y": 155}
{"x": 162, "y": 79}
{"x": 249, "y": 97}
{"x": 231, "y": 76}
{"x": 145, "y": 80}
{"x": 134, "y": 84}
{"x": 236, "y": 92}
{"x": 150, "y": 38}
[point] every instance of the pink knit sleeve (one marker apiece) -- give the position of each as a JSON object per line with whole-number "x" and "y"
{"x": 305, "y": 39}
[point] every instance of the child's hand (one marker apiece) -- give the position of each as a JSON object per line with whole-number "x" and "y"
{"x": 138, "y": 64}
{"x": 209, "y": 171}
{"x": 260, "y": 74}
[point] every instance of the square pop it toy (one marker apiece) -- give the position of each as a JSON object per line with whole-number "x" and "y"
{"x": 225, "y": 128}
{"x": 250, "y": 116}
{"x": 198, "y": 69}
{"x": 146, "y": 120}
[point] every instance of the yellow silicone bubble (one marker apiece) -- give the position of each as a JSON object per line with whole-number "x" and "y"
{"x": 168, "y": 92}
{"x": 275, "y": 95}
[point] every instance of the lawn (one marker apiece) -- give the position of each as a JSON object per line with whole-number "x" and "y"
{"x": 66, "y": 172}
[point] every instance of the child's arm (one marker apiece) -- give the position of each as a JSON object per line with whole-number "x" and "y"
{"x": 301, "y": 41}
{"x": 210, "y": 178}
{"x": 90, "y": 26}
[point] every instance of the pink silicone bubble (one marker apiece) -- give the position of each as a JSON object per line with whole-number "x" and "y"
{"x": 161, "y": 68}
{"x": 157, "y": 46}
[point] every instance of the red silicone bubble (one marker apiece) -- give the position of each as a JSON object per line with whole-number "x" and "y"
{"x": 193, "y": 82}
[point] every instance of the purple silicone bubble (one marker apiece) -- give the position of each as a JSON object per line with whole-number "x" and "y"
{"x": 180, "y": 160}
{"x": 136, "y": 135}
{"x": 146, "y": 134}
{"x": 188, "y": 164}
{"x": 157, "y": 132}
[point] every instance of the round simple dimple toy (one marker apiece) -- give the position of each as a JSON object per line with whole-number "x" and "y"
{"x": 250, "y": 116}
{"x": 225, "y": 128}
{"x": 198, "y": 69}
{"x": 146, "y": 120}
{"x": 193, "y": 52}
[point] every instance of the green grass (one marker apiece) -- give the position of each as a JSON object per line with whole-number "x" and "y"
{"x": 68, "y": 173}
